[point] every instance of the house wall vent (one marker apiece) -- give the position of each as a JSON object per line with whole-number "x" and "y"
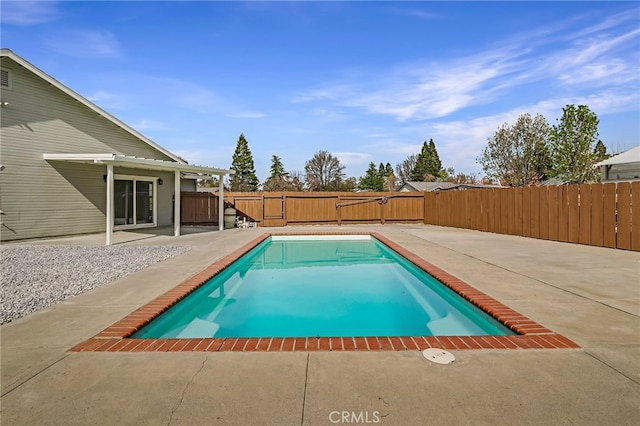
{"x": 5, "y": 78}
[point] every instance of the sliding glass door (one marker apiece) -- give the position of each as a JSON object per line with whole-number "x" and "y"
{"x": 134, "y": 201}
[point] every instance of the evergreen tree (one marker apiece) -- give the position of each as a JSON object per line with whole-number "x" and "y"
{"x": 435, "y": 165}
{"x": 428, "y": 165}
{"x": 388, "y": 170}
{"x": 279, "y": 178}
{"x": 277, "y": 168}
{"x": 600, "y": 151}
{"x": 572, "y": 143}
{"x": 372, "y": 180}
{"x": 245, "y": 178}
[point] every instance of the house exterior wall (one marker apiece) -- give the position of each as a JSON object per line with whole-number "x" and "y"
{"x": 41, "y": 198}
{"x": 188, "y": 185}
{"x": 615, "y": 172}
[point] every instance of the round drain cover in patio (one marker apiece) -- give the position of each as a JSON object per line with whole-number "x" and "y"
{"x": 439, "y": 356}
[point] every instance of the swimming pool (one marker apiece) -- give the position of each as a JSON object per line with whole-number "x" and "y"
{"x": 118, "y": 337}
{"x": 341, "y": 285}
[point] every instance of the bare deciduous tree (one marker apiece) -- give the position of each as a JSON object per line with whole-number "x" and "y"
{"x": 324, "y": 172}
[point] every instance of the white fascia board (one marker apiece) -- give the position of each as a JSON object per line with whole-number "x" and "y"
{"x": 201, "y": 176}
{"x": 137, "y": 163}
{"x": 90, "y": 158}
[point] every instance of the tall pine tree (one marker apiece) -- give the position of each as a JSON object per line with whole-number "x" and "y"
{"x": 428, "y": 165}
{"x": 245, "y": 178}
{"x": 372, "y": 180}
{"x": 279, "y": 178}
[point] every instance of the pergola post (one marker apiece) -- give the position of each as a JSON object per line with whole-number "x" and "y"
{"x": 176, "y": 204}
{"x": 109, "y": 212}
{"x": 221, "y": 202}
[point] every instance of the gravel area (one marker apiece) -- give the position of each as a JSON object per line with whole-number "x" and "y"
{"x": 36, "y": 276}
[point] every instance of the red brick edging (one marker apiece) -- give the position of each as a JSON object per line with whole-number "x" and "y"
{"x": 531, "y": 335}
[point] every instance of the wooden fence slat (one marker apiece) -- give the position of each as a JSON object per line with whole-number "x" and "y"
{"x": 585, "y": 214}
{"x": 518, "y": 210}
{"x": 635, "y": 216}
{"x": 609, "y": 215}
{"x": 504, "y": 212}
{"x": 526, "y": 212}
{"x": 553, "y": 204}
{"x": 543, "y": 209}
{"x": 623, "y": 215}
{"x": 597, "y": 218}
{"x": 535, "y": 212}
{"x": 563, "y": 213}
{"x": 464, "y": 220}
{"x": 485, "y": 197}
{"x": 430, "y": 208}
{"x": 511, "y": 211}
{"x": 573, "y": 235}
{"x": 495, "y": 211}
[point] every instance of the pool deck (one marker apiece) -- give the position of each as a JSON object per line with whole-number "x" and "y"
{"x": 590, "y": 295}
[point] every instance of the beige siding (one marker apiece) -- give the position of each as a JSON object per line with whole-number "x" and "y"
{"x": 187, "y": 185}
{"x": 40, "y": 198}
{"x": 630, "y": 171}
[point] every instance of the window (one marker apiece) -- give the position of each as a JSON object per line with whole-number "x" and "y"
{"x": 134, "y": 201}
{"x": 5, "y": 78}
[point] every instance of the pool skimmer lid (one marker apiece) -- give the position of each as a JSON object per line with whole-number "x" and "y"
{"x": 439, "y": 356}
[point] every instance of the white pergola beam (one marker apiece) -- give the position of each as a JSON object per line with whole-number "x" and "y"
{"x": 176, "y": 204}
{"x": 220, "y": 203}
{"x": 109, "y": 212}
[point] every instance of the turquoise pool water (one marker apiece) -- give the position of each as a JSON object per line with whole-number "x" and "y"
{"x": 322, "y": 286}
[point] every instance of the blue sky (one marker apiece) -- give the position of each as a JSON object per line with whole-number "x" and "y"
{"x": 366, "y": 81}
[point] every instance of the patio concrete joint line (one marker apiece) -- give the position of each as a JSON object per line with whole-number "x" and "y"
{"x": 304, "y": 394}
{"x": 33, "y": 376}
{"x": 184, "y": 391}
{"x": 632, "y": 378}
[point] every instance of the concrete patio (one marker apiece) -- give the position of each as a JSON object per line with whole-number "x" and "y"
{"x": 590, "y": 295}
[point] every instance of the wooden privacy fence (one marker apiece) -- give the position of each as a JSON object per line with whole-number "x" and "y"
{"x": 593, "y": 214}
{"x": 305, "y": 208}
{"x": 198, "y": 208}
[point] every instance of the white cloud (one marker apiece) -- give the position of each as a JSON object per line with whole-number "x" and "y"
{"x": 95, "y": 43}
{"x": 25, "y": 13}
{"x": 590, "y": 59}
{"x": 199, "y": 99}
{"x": 247, "y": 115}
{"x": 220, "y": 158}
{"x": 352, "y": 158}
{"x": 144, "y": 125}
{"x": 107, "y": 100}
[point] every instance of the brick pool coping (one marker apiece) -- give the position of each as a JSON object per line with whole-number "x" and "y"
{"x": 530, "y": 334}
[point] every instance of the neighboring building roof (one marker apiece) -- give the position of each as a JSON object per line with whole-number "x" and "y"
{"x": 426, "y": 186}
{"x": 7, "y": 53}
{"x": 630, "y": 156}
{"x": 440, "y": 186}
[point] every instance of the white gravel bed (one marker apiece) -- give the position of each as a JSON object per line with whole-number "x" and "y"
{"x": 36, "y": 276}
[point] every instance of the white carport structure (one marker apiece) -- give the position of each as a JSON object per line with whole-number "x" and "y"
{"x": 626, "y": 166}
{"x": 179, "y": 169}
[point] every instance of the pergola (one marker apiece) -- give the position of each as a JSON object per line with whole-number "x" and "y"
{"x": 118, "y": 160}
